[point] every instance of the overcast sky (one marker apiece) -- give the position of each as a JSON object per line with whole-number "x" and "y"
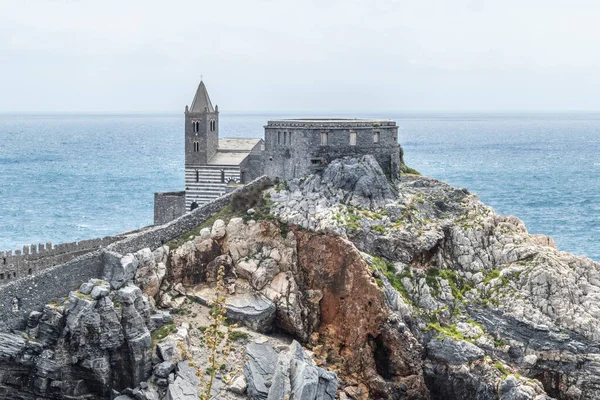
{"x": 328, "y": 55}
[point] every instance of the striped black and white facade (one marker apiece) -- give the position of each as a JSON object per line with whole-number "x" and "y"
{"x": 214, "y": 165}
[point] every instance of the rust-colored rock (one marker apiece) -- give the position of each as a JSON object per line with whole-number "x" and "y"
{"x": 354, "y": 326}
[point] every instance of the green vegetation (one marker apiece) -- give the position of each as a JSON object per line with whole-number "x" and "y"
{"x": 387, "y": 269}
{"x": 237, "y": 335}
{"x": 80, "y": 295}
{"x": 163, "y": 332}
{"x": 502, "y": 368}
{"x": 458, "y": 285}
{"x": 240, "y": 203}
{"x": 226, "y": 213}
{"x": 352, "y": 220}
{"x": 405, "y": 169}
{"x": 445, "y": 331}
{"x": 379, "y": 229}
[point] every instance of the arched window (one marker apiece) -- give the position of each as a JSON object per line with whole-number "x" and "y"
{"x": 284, "y": 138}
{"x": 222, "y": 176}
{"x": 278, "y": 137}
{"x": 197, "y": 176}
{"x": 196, "y": 146}
{"x": 193, "y": 206}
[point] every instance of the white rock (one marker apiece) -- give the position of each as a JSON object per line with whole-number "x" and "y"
{"x": 238, "y": 386}
{"x": 218, "y": 230}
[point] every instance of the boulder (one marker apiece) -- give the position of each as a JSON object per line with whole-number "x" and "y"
{"x": 218, "y": 230}
{"x": 294, "y": 376}
{"x": 259, "y": 369}
{"x": 117, "y": 269}
{"x": 185, "y": 384}
{"x": 253, "y": 310}
{"x": 453, "y": 352}
{"x": 163, "y": 369}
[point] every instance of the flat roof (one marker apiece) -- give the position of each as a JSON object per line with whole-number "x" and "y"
{"x": 228, "y": 158}
{"x": 305, "y": 120}
{"x": 237, "y": 144}
{"x": 329, "y": 123}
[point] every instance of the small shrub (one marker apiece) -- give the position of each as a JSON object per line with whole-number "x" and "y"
{"x": 238, "y": 335}
{"x": 502, "y": 368}
{"x": 379, "y": 229}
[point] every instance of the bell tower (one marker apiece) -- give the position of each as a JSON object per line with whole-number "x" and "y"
{"x": 201, "y": 129}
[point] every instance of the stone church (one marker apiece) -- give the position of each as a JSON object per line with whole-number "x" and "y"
{"x": 291, "y": 148}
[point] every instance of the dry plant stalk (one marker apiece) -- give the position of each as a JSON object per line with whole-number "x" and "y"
{"x": 217, "y": 341}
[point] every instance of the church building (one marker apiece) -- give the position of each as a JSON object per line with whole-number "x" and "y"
{"x": 291, "y": 149}
{"x": 214, "y": 164}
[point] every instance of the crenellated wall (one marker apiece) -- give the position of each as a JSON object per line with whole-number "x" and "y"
{"x": 15, "y": 264}
{"x": 19, "y": 297}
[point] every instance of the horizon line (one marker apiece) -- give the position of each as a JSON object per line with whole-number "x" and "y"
{"x": 314, "y": 112}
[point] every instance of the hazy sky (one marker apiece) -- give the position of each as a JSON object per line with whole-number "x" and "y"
{"x": 347, "y": 55}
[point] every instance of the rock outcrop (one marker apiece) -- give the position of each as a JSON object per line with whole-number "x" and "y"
{"x": 397, "y": 290}
{"x": 291, "y": 374}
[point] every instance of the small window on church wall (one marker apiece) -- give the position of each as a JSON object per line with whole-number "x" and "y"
{"x": 196, "y": 146}
{"x": 284, "y": 138}
{"x": 278, "y": 137}
{"x": 376, "y": 137}
{"x": 324, "y": 138}
{"x": 222, "y": 176}
{"x": 352, "y": 138}
{"x": 197, "y": 176}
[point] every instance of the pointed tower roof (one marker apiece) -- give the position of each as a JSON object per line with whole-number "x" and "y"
{"x": 201, "y": 100}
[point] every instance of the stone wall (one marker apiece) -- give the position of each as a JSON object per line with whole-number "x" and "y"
{"x": 34, "y": 258}
{"x": 156, "y": 236}
{"x": 168, "y": 206}
{"x": 293, "y": 148}
{"x": 20, "y": 297}
{"x": 252, "y": 166}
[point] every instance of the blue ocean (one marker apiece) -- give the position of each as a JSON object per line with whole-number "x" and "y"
{"x": 70, "y": 177}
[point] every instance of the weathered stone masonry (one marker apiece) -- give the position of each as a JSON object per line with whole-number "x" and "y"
{"x": 296, "y": 147}
{"x": 32, "y": 259}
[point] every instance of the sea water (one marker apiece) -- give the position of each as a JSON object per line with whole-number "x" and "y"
{"x": 70, "y": 177}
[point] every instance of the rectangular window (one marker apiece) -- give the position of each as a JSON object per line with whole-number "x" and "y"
{"x": 324, "y": 139}
{"x": 316, "y": 161}
{"x": 376, "y": 137}
{"x": 352, "y": 138}
{"x": 284, "y": 138}
{"x": 278, "y": 137}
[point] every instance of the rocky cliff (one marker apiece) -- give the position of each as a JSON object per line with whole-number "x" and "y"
{"x": 409, "y": 289}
